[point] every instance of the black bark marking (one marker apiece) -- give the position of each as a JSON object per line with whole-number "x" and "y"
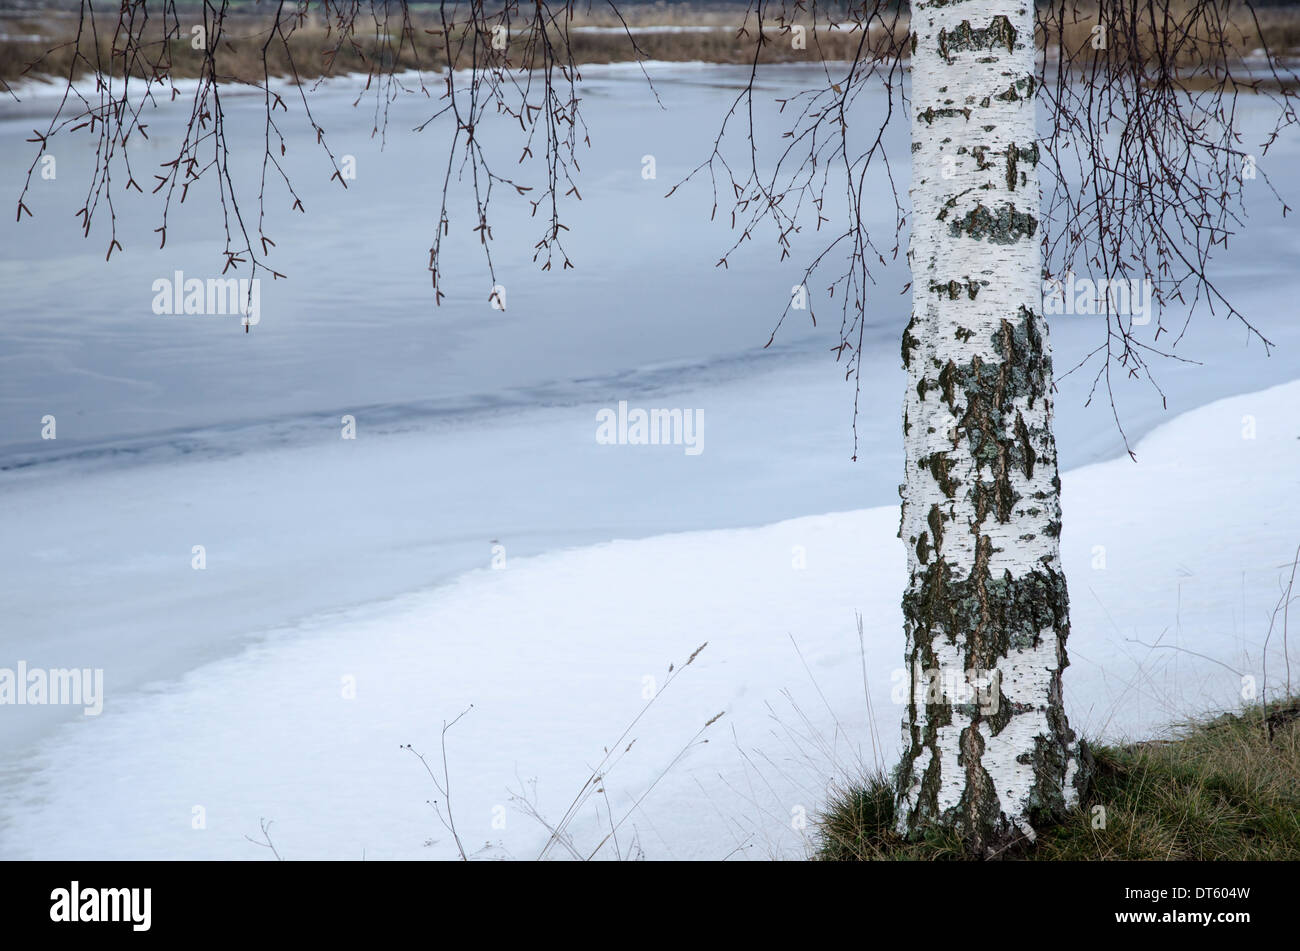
{"x": 1002, "y": 225}
{"x": 999, "y": 32}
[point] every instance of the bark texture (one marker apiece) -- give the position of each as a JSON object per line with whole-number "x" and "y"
{"x": 987, "y": 751}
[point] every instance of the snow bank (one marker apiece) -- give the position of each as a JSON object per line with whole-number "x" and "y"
{"x": 1173, "y": 566}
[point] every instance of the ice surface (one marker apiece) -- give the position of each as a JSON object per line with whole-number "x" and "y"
{"x": 476, "y": 426}
{"x": 557, "y": 653}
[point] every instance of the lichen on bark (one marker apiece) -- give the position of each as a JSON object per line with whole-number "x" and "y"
{"x": 981, "y": 510}
{"x": 1002, "y": 225}
{"x": 999, "y": 32}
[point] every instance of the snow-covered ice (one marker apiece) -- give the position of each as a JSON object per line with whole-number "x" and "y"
{"x": 557, "y": 653}
{"x": 330, "y": 558}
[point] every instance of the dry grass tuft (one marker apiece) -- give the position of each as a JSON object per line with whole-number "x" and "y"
{"x": 1226, "y": 788}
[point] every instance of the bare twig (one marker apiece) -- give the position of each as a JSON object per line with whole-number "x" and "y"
{"x": 444, "y": 786}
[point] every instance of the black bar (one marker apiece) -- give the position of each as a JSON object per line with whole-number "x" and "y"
{"x": 582, "y": 902}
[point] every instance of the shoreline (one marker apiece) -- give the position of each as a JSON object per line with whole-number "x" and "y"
{"x": 456, "y": 633}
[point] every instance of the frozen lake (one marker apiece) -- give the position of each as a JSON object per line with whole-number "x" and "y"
{"x": 475, "y": 426}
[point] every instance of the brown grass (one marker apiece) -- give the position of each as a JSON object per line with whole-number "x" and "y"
{"x": 1189, "y": 34}
{"x": 313, "y": 51}
{"x": 1222, "y": 788}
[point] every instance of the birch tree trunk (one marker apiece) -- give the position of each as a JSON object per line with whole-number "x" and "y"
{"x": 987, "y": 751}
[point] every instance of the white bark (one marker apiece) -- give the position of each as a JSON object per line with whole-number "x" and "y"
{"x": 981, "y": 511}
